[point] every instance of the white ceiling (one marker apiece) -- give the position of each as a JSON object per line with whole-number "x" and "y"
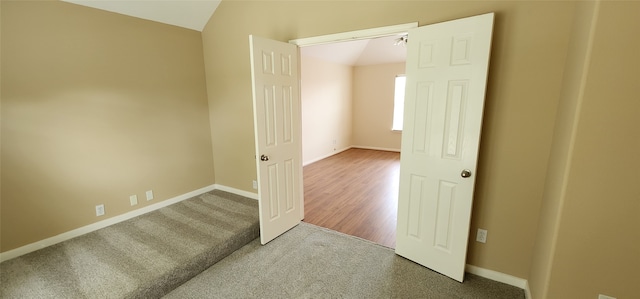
{"x": 191, "y": 14}
{"x": 194, "y": 14}
{"x": 360, "y": 52}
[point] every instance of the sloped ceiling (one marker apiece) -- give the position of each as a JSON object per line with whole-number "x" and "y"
{"x": 360, "y": 52}
{"x": 194, "y": 14}
{"x": 191, "y": 14}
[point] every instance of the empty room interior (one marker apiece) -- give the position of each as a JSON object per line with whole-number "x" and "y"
{"x": 347, "y": 95}
{"x": 105, "y": 115}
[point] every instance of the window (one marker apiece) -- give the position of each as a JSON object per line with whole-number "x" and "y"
{"x": 398, "y": 103}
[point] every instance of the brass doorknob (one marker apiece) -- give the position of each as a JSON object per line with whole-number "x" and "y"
{"x": 264, "y": 158}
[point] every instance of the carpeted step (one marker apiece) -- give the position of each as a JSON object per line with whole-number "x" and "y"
{"x": 144, "y": 257}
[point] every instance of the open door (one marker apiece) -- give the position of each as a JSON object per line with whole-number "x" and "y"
{"x": 276, "y": 109}
{"x": 446, "y": 73}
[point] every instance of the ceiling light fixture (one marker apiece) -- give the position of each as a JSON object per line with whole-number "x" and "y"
{"x": 401, "y": 41}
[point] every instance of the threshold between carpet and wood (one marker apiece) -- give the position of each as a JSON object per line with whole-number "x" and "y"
{"x": 355, "y": 192}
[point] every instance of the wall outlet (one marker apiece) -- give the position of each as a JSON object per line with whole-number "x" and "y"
{"x": 149, "y": 194}
{"x": 481, "y": 236}
{"x": 133, "y": 199}
{"x": 255, "y": 185}
{"x": 605, "y": 297}
{"x": 100, "y": 210}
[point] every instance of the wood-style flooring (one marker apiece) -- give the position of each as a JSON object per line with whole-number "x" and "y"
{"x": 354, "y": 192}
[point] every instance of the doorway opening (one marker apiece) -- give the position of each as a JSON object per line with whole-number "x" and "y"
{"x": 446, "y": 83}
{"x": 350, "y": 152}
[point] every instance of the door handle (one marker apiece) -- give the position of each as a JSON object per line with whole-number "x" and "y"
{"x": 264, "y": 158}
{"x": 465, "y": 173}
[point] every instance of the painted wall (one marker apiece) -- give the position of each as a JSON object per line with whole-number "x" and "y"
{"x": 525, "y": 80}
{"x": 598, "y": 238}
{"x": 349, "y": 104}
{"x": 373, "y": 90}
{"x": 95, "y": 107}
{"x": 561, "y": 151}
{"x": 98, "y": 106}
{"x": 326, "y": 96}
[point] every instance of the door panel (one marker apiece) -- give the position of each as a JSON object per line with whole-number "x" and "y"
{"x": 447, "y": 65}
{"x": 274, "y": 70}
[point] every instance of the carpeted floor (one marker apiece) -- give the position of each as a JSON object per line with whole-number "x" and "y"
{"x": 313, "y": 262}
{"x": 144, "y": 257}
{"x": 166, "y": 251}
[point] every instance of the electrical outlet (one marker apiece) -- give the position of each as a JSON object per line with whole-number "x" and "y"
{"x": 149, "y": 195}
{"x": 100, "y": 210}
{"x": 255, "y": 185}
{"x": 481, "y": 236}
{"x": 133, "y": 199}
{"x": 600, "y": 296}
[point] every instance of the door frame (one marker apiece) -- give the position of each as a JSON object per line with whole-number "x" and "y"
{"x": 354, "y": 35}
{"x": 369, "y": 34}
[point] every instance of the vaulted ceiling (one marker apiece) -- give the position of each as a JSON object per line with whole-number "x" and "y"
{"x": 359, "y": 52}
{"x": 191, "y": 14}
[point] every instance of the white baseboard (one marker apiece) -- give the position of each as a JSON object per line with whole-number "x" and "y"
{"x": 377, "y": 148}
{"x": 501, "y": 277}
{"x": 527, "y": 291}
{"x": 350, "y": 147}
{"x": 113, "y": 220}
{"x": 325, "y": 156}
{"x": 248, "y": 194}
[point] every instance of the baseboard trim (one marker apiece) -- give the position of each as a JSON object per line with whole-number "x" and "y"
{"x": 116, "y": 219}
{"x": 527, "y": 291}
{"x": 501, "y": 277}
{"x": 325, "y": 156}
{"x": 248, "y": 194}
{"x": 397, "y": 150}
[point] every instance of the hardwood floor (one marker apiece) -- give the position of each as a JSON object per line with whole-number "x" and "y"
{"x": 355, "y": 192}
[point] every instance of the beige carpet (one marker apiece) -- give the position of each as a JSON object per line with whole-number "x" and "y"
{"x": 144, "y": 257}
{"x": 313, "y": 262}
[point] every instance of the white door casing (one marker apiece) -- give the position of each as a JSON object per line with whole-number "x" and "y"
{"x": 276, "y": 106}
{"x": 447, "y": 66}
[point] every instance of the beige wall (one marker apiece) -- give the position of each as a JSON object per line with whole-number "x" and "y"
{"x": 95, "y": 107}
{"x": 326, "y": 90}
{"x": 598, "y": 242}
{"x": 373, "y": 90}
{"x": 525, "y": 79}
{"x": 351, "y": 105}
{"x": 557, "y": 172}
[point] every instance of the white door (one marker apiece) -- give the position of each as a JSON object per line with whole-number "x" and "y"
{"x": 276, "y": 110}
{"x": 446, "y": 78}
